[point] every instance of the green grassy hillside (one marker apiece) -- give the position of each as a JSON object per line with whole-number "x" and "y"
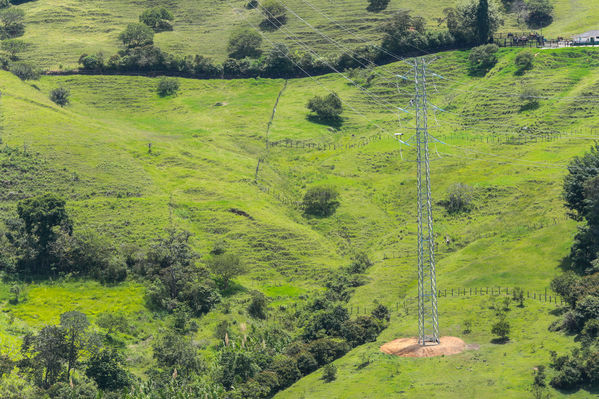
{"x": 205, "y": 146}
{"x": 60, "y": 31}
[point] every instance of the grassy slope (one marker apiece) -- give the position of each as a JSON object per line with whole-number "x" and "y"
{"x": 60, "y": 31}
{"x": 202, "y": 165}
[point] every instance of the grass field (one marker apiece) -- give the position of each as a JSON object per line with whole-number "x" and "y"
{"x": 95, "y": 153}
{"x": 60, "y": 31}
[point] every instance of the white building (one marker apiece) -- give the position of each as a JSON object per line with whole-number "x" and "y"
{"x": 587, "y": 37}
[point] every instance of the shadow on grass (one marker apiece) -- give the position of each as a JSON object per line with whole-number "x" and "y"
{"x": 272, "y": 24}
{"x": 500, "y": 341}
{"x": 334, "y": 123}
{"x": 232, "y": 289}
{"x": 530, "y": 106}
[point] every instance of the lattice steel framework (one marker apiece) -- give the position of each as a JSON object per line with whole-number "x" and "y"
{"x": 428, "y": 322}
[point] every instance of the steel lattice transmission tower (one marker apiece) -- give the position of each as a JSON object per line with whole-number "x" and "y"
{"x": 428, "y": 322}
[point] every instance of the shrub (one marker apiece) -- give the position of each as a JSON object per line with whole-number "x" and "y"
{"x": 360, "y": 263}
{"x": 459, "y": 198}
{"x": 252, "y": 4}
{"x": 226, "y": 267}
{"x": 381, "y": 312}
{"x": 518, "y": 296}
{"x": 113, "y": 322}
{"x": 14, "y": 47}
{"x": 157, "y": 18}
{"x": 320, "y": 201}
{"x": 328, "y": 108}
{"x": 4, "y": 4}
{"x": 167, "y": 86}
{"x": 258, "y": 306}
{"x": 523, "y": 62}
{"x": 329, "y": 373}
{"x": 482, "y": 59}
{"x": 286, "y": 369}
{"x": 529, "y": 97}
{"x": 173, "y": 351}
{"x": 377, "y": 5}
{"x": 325, "y": 350}
{"x": 244, "y": 43}
{"x": 24, "y": 71}
{"x": 106, "y": 369}
{"x": 11, "y": 22}
{"x": 93, "y": 62}
{"x": 60, "y": 96}
{"x": 569, "y": 377}
{"x": 137, "y": 35}
{"x": 539, "y": 13}
{"x": 502, "y": 329}
{"x": 274, "y": 14}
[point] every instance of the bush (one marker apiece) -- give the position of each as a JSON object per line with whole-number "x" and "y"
{"x": 328, "y": 108}
{"x": 360, "y": 263}
{"x": 502, "y": 329}
{"x": 167, "y": 86}
{"x": 320, "y": 201}
{"x": 529, "y": 97}
{"x": 60, "y": 96}
{"x": 482, "y": 59}
{"x": 539, "y": 13}
{"x": 286, "y": 369}
{"x": 137, "y": 35}
{"x": 14, "y": 47}
{"x": 4, "y": 4}
{"x": 11, "y": 22}
{"x": 93, "y": 62}
{"x": 274, "y": 14}
{"x": 244, "y": 43}
{"x": 459, "y": 198}
{"x": 157, "y": 18}
{"x": 24, "y": 71}
{"x": 258, "y": 306}
{"x": 106, "y": 369}
{"x": 325, "y": 350}
{"x": 523, "y": 62}
{"x": 377, "y": 5}
{"x": 226, "y": 267}
{"x": 329, "y": 373}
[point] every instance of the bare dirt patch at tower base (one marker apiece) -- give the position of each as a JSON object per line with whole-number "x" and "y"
{"x": 409, "y": 347}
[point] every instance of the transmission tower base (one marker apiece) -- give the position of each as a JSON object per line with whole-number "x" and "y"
{"x": 409, "y": 347}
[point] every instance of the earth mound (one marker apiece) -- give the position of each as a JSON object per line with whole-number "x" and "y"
{"x": 408, "y": 347}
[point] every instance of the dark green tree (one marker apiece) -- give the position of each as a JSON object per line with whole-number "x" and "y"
{"x": 243, "y": 43}
{"x": 13, "y": 47}
{"x": 377, "y": 5}
{"x": 174, "y": 351}
{"x": 42, "y": 217}
{"x": 11, "y": 22}
{"x": 482, "y": 59}
{"x": 137, "y": 35}
{"x": 60, "y": 96}
{"x": 226, "y": 267}
{"x": 258, "y": 306}
{"x": 74, "y": 324}
{"x": 167, "y": 86}
{"x": 502, "y": 329}
{"x": 320, "y": 201}
{"x": 483, "y": 28}
{"x": 106, "y": 369}
{"x": 158, "y": 18}
{"x": 328, "y": 108}
{"x": 539, "y": 13}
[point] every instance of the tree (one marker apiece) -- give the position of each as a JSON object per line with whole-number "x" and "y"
{"x": 539, "y": 13}
{"x": 14, "y": 47}
{"x": 4, "y": 4}
{"x": 157, "y": 18}
{"x": 483, "y": 28}
{"x": 328, "y": 108}
{"x": 44, "y": 354}
{"x": 106, "y": 369}
{"x": 404, "y": 33}
{"x": 60, "y": 96}
{"x": 465, "y": 22}
{"x": 258, "y": 306}
{"x": 11, "y": 22}
{"x": 243, "y": 43}
{"x": 529, "y": 96}
{"x": 581, "y": 170}
{"x": 377, "y": 5}
{"x": 42, "y": 217}
{"x": 279, "y": 62}
{"x": 137, "y": 35}
{"x": 459, "y": 198}
{"x": 174, "y": 351}
{"x": 523, "y": 62}
{"x": 320, "y": 201}
{"x": 24, "y": 71}
{"x": 329, "y": 373}
{"x": 74, "y": 324}
{"x": 274, "y": 14}
{"x": 482, "y": 59}
{"x": 167, "y": 86}
{"x": 518, "y": 296}
{"x": 226, "y": 267}
{"x": 502, "y": 329}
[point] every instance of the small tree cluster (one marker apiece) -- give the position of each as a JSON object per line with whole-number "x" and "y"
{"x": 137, "y": 35}
{"x": 377, "y": 5}
{"x": 320, "y": 201}
{"x": 538, "y": 13}
{"x": 482, "y": 59}
{"x": 11, "y": 22}
{"x": 328, "y": 108}
{"x": 158, "y": 18}
{"x": 167, "y": 86}
{"x": 244, "y": 43}
{"x": 275, "y": 14}
{"x": 459, "y": 198}
{"x": 60, "y": 96}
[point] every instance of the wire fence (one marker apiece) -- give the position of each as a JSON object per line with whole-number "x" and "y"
{"x": 547, "y": 297}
